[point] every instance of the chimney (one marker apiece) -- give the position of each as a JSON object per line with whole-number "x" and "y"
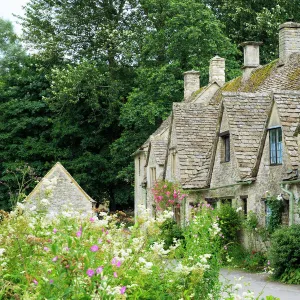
{"x": 217, "y": 70}
{"x": 289, "y": 40}
{"x": 251, "y": 57}
{"x": 191, "y": 83}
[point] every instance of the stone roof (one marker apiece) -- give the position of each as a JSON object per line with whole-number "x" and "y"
{"x": 195, "y": 128}
{"x": 159, "y": 150}
{"x": 247, "y": 115}
{"x": 288, "y": 104}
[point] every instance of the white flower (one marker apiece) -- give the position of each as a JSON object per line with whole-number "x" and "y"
{"x": 33, "y": 208}
{"x": 20, "y": 206}
{"x": 45, "y": 202}
{"x": 158, "y": 248}
{"x": 279, "y": 197}
{"x": 248, "y": 295}
{"x": 2, "y": 250}
{"x": 239, "y": 209}
{"x": 238, "y": 286}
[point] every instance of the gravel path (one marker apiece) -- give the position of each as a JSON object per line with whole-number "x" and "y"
{"x": 259, "y": 284}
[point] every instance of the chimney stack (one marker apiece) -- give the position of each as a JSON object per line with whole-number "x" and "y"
{"x": 289, "y": 40}
{"x": 191, "y": 83}
{"x": 251, "y": 57}
{"x": 217, "y": 70}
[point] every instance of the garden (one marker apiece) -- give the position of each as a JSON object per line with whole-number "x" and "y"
{"x": 108, "y": 257}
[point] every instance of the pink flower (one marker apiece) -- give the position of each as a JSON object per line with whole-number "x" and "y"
{"x": 46, "y": 249}
{"x": 90, "y": 272}
{"x": 78, "y": 233}
{"x": 122, "y": 290}
{"x": 159, "y": 198}
{"x": 168, "y": 193}
{"x": 99, "y": 270}
{"x": 67, "y": 248}
{"x": 54, "y": 230}
{"x": 51, "y": 281}
{"x": 100, "y": 241}
{"x": 35, "y": 281}
{"x": 94, "y": 248}
{"x": 165, "y": 186}
{"x": 115, "y": 274}
{"x": 54, "y": 259}
{"x": 92, "y": 220}
{"x": 118, "y": 264}
{"x": 114, "y": 261}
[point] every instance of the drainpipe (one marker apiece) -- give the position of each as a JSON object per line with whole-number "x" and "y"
{"x": 291, "y": 199}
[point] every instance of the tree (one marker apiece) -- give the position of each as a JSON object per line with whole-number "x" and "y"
{"x": 255, "y": 20}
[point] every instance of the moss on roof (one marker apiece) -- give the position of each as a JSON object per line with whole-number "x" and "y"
{"x": 258, "y": 77}
{"x": 233, "y": 85}
{"x": 294, "y": 77}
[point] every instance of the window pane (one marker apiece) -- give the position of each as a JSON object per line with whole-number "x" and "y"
{"x": 275, "y": 146}
{"x": 227, "y": 148}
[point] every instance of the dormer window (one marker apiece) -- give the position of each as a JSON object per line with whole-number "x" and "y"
{"x": 275, "y": 146}
{"x": 225, "y": 146}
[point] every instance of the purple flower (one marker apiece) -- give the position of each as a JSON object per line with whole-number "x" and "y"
{"x": 51, "y": 281}
{"x": 114, "y": 261}
{"x": 78, "y": 233}
{"x": 46, "y": 249}
{"x": 54, "y": 230}
{"x": 94, "y": 248}
{"x": 54, "y": 259}
{"x": 118, "y": 264}
{"x": 35, "y": 281}
{"x": 115, "y": 274}
{"x": 90, "y": 272}
{"x": 99, "y": 270}
{"x": 122, "y": 290}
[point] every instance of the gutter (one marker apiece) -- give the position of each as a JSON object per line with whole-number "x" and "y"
{"x": 223, "y": 186}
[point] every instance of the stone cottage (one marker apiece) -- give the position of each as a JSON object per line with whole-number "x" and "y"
{"x": 59, "y": 191}
{"x": 232, "y": 141}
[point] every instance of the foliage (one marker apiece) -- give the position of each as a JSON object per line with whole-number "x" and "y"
{"x": 255, "y": 21}
{"x": 78, "y": 257}
{"x": 167, "y": 194}
{"x": 170, "y": 232}
{"x": 250, "y": 260}
{"x": 230, "y": 223}
{"x": 284, "y": 253}
{"x": 275, "y": 203}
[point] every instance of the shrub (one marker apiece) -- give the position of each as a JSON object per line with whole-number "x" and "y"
{"x": 230, "y": 223}
{"x": 171, "y": 231}
{"x": 284, "y": 254}
{"x": 74, "y": 257}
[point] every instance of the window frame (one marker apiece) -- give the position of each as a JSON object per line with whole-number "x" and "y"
{"x": 278, "y": 151}
{"x": 225, "y": 136}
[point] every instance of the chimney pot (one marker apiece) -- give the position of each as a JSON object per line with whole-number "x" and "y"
{"x": 251, "y": 57}
{"x": 191, "y": 83}
{"x": 217, "y": 70}
{"x": 289, "y": 40}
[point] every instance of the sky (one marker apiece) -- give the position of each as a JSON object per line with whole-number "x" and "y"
{"x": 9, "y": 7}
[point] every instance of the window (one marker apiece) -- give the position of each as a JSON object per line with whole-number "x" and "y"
{"x": 244, "y": 205}
{"x": 225, "y": 147}
{"x": 173, "y": 164}
{"x": 152, "y": 176}
{"x": 275, "y": 146}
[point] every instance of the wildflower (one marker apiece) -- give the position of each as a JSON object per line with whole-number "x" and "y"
{"x": 92, "y": 220}
{"x": 54, "y": 259}
{"x": 78, "y": 233}
{"x": 94, "y": 248}
{"x": 45, "y": 202}
{"x": 54, "y": 230}
{"x": 238, "y": 286}
{"x": 123, "y": 289}
{"x": 115, "y": 274}
{"x": 239, "y": 209}
{"x": 90, "y": 272}
{"x": 118, "y": 264}
{"x": 51, "y": 281}
{"x": 35, "y": 281}
{"x": 268, "y": 262}
{"x": 99, "y": 270}
{"x": 279, "y": 197}
{"x": 2, "y": 250}
{"x": 168, "y": 193}
{"x": 100, "y": 241}
{"x": 46, "y": 249}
